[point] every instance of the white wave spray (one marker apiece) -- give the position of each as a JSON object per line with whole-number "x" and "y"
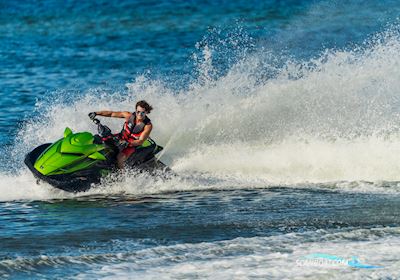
{"x": 332, "y": 118}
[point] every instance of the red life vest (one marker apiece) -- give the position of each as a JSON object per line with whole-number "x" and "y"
{"x": 132, "y": 131}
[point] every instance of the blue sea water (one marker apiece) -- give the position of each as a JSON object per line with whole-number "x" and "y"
{"x": 280, "y": 119}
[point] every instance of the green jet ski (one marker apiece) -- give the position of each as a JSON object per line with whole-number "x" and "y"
{"x": 79, "y": 160}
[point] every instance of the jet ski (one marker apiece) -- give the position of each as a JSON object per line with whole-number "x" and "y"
{"x": 80, "y": 160}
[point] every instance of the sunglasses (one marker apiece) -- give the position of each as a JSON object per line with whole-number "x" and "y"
{"x": 142, "y": 113}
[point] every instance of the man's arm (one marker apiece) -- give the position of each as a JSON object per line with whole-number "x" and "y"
{"x": 146, "y": 132}
{"x": 113, "y": 114}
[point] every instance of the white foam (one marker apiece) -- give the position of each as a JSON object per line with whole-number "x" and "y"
{"x": 22, "y": 186}
{"x": 296, "y": 162}
{"x": 276, "y": 257}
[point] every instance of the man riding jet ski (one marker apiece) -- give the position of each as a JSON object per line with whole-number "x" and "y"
{"x": 136, "y": 129}
{"x": 79, "y": 160}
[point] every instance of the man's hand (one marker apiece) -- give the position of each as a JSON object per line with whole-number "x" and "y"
{"x": 122, "y": 144}
{"x": 92, "y": 115}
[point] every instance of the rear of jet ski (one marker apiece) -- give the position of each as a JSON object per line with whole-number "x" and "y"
{"x": 144, "y": 158}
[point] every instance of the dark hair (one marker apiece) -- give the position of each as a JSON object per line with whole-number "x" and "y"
{"x": 144, "y": 105}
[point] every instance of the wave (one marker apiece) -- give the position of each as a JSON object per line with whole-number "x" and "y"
{"x": 274, "y": 257}
{"x": 332, "y": 118}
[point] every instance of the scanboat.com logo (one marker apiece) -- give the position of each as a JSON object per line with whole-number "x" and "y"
{"x": 332, "y": 260}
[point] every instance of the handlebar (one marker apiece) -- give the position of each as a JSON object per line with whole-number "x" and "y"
{"x": 103, "y": 130}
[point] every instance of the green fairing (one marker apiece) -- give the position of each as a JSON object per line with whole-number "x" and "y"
{"x": 80, "y": 143}
{"x": 75, "y": 167}
{"x": 146, "y": 143}
{"x": 64, "y": 156}
{"x": 97, "y": 155}
{"x": 67, "y": 132}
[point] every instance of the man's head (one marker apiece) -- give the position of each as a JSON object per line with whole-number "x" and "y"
{"x": 142, "y": 108}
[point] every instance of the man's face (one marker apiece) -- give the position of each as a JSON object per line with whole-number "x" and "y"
{"x": 140, "y": 113}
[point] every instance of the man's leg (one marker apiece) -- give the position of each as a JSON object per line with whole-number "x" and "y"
{"x": 123, "y": 156}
